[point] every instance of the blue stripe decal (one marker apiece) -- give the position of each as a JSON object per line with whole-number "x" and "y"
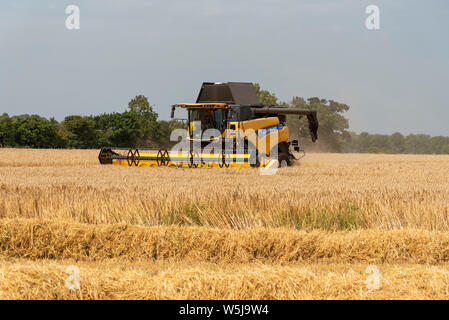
{"x": 263, "y": 131}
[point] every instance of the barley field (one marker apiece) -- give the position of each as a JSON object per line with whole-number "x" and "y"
{"x": 315, "y": 230}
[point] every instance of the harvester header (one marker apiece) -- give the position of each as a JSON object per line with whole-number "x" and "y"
{"x": 227, "y": 126}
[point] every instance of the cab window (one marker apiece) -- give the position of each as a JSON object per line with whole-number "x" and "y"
{"x": 209, "y": 118}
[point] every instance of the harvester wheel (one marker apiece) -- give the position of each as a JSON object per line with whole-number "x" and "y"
{"x": 223, "y": 161}
{"x": 166, "y": 157}
{"x": 228, "y": 159}
{"x": 130, "y": 158}
{"x": 256, "y": 163}
{"x": 220, "y": 160}
{"x": 284, "y": 160}
{"x": 137, "y": 154}
{"x": 159, "y": 158}
{"x": 192, "y": 162}
{"x": 197, "y": 161}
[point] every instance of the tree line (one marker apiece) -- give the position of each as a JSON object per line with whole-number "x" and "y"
{"x": 137, "y": 126}
{"x": 395, "y": 143}
{"x": 334, "y": 134}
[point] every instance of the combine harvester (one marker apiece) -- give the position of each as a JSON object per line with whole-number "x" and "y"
{"x": 227, "y": 127}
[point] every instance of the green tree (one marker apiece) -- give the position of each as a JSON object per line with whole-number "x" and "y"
{"x": 445, "y": 149}
{"x": 332, "y": 130}
{"x": 438, "y": 144}
{"x": 364, "y": 142}
{"x": 164, "y": 129}
{"x": 147, "y": 118}
{"x": 418, "y": 143}
{"x": 397, "y": 143}
{"x": 348, "y": 143}
{"x": 142, "y": 108}
{"x": 80, "y": 132}
{"x": 36, "y": 132}
{"x": 119, "y": 129}
{"x": 6, "y": 131}
{"x": 265, "y": 96}
{"x": 379, "y": 143}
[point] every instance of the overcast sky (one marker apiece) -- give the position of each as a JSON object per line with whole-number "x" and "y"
{"x": 393, "y": 79}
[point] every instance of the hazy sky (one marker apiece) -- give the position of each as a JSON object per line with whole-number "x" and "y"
{"x": 394, "y": 79}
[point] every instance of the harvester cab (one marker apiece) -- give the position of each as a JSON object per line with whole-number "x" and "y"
{"x": 227, "y": 126}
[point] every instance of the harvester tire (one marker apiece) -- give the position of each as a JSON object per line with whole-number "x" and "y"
{"x": 284, "y": 160}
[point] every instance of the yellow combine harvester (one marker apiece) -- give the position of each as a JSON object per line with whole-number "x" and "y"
{"x": 227, "y": 127}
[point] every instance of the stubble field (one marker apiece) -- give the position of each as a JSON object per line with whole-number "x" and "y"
{"x": 308, "y": 232}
